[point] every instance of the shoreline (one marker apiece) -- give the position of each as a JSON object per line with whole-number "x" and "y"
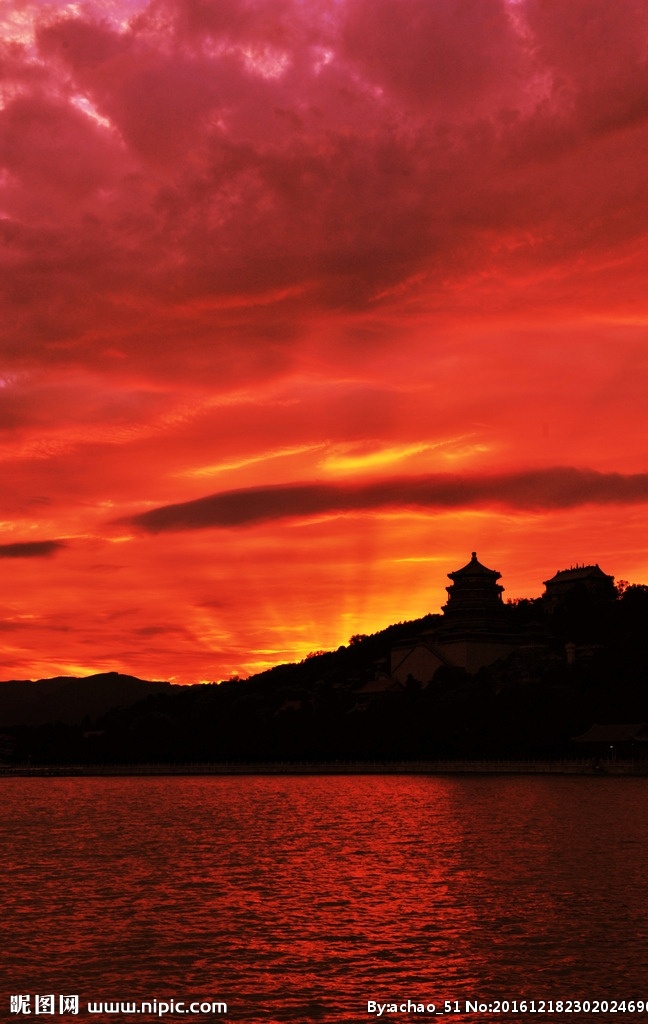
{"x": 588, "y": 767}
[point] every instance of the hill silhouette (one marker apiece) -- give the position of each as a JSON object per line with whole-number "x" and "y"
{"x": 68, "y": 699}
{"x": 582, "y": 663}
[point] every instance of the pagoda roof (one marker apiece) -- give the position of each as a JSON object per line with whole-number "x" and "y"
{"x": 621, "y": 733}
{"x": 578, "y": 572}
{"x": 474, "y": 568}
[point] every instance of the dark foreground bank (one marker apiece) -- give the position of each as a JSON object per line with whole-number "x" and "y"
{"x": 572, "y": 767}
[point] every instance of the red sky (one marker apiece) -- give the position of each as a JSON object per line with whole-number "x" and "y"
{"x": 302, "y": 302}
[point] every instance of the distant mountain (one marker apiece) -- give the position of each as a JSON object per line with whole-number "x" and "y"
{"x": 69, "y": 700}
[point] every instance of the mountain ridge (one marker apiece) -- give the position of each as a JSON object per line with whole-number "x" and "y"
{"x": 70, "y": 699}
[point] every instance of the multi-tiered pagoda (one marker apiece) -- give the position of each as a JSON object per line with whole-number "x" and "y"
{"x": 471, "y": 634}
{"x": 474, "y": 594}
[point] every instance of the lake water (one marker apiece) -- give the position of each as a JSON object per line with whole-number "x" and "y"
{"x": 303, "y": 898}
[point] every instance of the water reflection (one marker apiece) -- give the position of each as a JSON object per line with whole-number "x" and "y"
{"x": 302, "y": 898}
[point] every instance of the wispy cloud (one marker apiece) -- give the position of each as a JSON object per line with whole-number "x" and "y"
{"x": 227, "y": 466}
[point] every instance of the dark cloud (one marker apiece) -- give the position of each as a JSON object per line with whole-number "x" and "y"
{"x": 595, "y": 54}
{"x": 541, "y": 489}
{"x": 444, "y": 55}
{"x": 31, "y": 549}
{"x": 162, "y": 176}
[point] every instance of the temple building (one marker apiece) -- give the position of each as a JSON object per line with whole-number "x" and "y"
{"x": 579, "y": 580}
{"x": 472, "y": 634}
{"x": 474, "y": 595}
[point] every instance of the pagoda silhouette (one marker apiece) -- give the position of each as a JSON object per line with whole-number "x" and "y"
{"x": 472, "y": 634}
{"x": 474, "y": 596}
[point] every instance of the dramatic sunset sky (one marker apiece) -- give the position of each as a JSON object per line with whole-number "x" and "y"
{"x": 302, "y": 302}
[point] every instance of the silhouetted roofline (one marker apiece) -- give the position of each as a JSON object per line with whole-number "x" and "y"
{"x": 578, "y": 572}
{"x": 474, "y": 568}
{"x": 614, "y": 733}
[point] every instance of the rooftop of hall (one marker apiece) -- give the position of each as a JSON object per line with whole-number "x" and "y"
{"x": 578, "y": 572}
